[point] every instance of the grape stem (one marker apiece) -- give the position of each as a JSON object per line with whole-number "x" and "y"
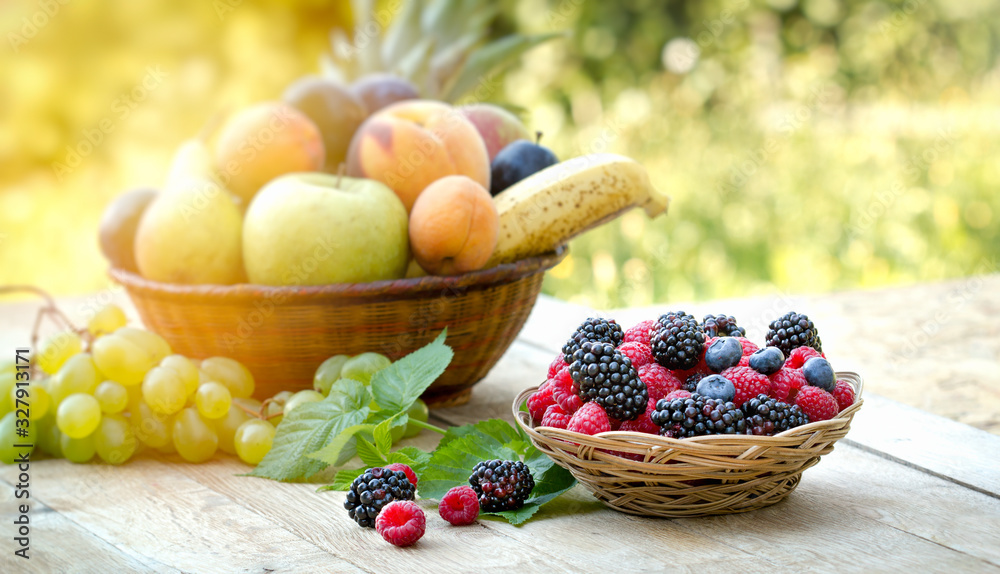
{"x": 427, "y": 426}
{"x": 48, "y": 310}
{"x": 260, "y": 412}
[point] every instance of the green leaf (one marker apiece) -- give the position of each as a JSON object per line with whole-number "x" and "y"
{"x": 369, "y": 454}
{"x": 491, "y": 58}
{"x": 343, "y": 479}
{"x": 412, "y": 457}
{"x": 301, "y": 433}
{"x": 398, "y": 385}
{"x": 335, "y": 451}
{"x": 383, "y": 435}
{"x": 464, "y": 447}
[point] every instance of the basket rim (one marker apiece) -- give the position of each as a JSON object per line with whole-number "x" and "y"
{"x": 503, "y": 273}
{"x": 630, "y": 438}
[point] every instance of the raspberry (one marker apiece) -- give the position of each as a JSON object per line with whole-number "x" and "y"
{"x": 786, "y": 383}
{"x": 749, "y": 348}
{"x": 816, "y": 403}
{"x": 459, "y": 506}
{"x": 565, "y": 391}
{"x": 844, "y": 393}
{"x": 558, "y": 363}
{"x": 800, "y": 355}
{"x": 639, "y": 333}
{"x": 748, "y": 382}
{"x": 539, "y": 401}
{"x": 678, "y": 394}
{"x": 659, "y": 381}
{"x": 401, "y": 522}
{"x": 643, "y": 423}
{"x": 637, "y": 353}
{"x": 398, "y": 466}
{"x": 555, "y": 417}
{"x": 590, "y": 420}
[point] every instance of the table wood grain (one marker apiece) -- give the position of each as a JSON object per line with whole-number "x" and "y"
{"x": 906, "y": 490}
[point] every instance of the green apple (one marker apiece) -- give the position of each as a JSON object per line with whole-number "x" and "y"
{"x": 316, "y": 228}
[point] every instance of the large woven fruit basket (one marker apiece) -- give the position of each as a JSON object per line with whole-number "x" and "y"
{"x": 282, "y": 334}
{"x": 652, "y": 475}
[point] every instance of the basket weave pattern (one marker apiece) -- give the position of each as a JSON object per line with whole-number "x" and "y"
{"x": 282, "y": 334}
{"x": 717, "y": 474}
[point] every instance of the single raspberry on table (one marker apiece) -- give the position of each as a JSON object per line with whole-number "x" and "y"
{"x": 555, "y": 417}
{"x": 678, "y": 394}
{"x": 818, "y": 404}
{"x": 539, "y": 401}
{"x": 639, "y": 333}
{"x": 558, "y": 363}
{"x": 459, "y": 506}
{"x": 405, "y": 469}
{"x": 643, "y": 423}
{"x": 844, "y": 393}
{"x": 659, "y": 380}
{"x": 748, "y": 382}
{"x": 401, "y": 522}
{"x": 786, "y": 383}
{"x": 638, "y": 353}
{"x": 565, "y": 391}
{"x": 800, "y": 355}
{"x": 590, "y": 420}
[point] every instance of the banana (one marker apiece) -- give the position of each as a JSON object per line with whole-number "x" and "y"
{"x": 548, "y": 208}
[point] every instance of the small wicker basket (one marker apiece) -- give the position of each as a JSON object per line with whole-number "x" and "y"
{"x": 283, "y": 333}
{"x": 701, "y": 476}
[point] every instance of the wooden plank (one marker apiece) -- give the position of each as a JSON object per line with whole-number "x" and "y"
{"x": 60, "y": 545}
{"x": 153, "y": 513}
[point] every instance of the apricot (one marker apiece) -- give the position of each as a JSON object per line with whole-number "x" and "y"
{"x": 262, "y": 142}
{"x": 413, "y": 143}
{"x": 454, "y": 226}
{"x": 335, "y": 110}
{"x": 380, "y": 90}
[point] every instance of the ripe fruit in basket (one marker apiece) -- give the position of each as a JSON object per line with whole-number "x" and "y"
{"x": 262, "y": 142}
{"x": 118, "y": 225}
{"x": 722, "y": 353}
{"x": 607, "y": 378}
{"x": 498, "y": 127}
{"x": 336, "y": 110}
{"x": 793, "y": 330}
{"x": 413, "y": 143}
{"x": 818, "y": 404}
{"x": 191, "y": 234}
{"x": 677, "y": 341}
{"x": 548, "y": 208}
{"x": 769, "y": 416}
{"x": 819, "y": 373}
{"x": 766, "y": 361}
{"x": 316, "y": 229}
{"x": 453, "y": 226}
{"x": 517, "y": 161}
{"x": 716, "y": 387}
{"x": 377, "y": 91}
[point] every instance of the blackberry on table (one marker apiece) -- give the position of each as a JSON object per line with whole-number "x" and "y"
{"x": 374, "y": 489}
{"x": 677, "y": 341}
{"x": 697, "y": 416}
{"x": 722, "y": 326}
{"x": 607, "y": 377}
{"x": 501, "y": 484}
{"x": 593, "y": 330}
{"x": 767, "y": 416}
{"x": 793, "y": 330}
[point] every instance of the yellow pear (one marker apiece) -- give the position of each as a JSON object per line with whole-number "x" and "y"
{"x": 191, "y": 233}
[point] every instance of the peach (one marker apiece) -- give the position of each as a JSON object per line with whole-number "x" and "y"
{"x": 454, "y": 226}
{"x": 413, "y": 143}
{"x": 335, "y": 110}
{"x": 262, "y": 142}
{"x": 497, "y": 126}
{"x": 380, "y": 90}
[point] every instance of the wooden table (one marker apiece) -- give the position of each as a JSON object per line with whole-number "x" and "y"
{"x": 907, "y": 490}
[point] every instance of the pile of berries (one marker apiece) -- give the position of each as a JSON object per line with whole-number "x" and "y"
{"x": 679, "y": 377}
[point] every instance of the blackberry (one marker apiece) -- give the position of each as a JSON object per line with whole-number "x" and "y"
{"x": 593, "y": 330}
{"x": 501, "y": 484}
{"x": 722, "y": 326}
{"x": 697, "y": 416}
{"x": 691, "y": 383}
{"x": 766, "y": 416}
{"x": 607, "y": 377}
{"x": 677, "y": 341}
{"x": 374, "y": 489}
{"x": 793, "y": 330}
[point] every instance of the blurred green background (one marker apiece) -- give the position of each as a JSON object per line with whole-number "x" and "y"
{"x": 809, "y": 145}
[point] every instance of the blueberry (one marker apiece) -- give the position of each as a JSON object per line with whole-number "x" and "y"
{"x": 517, "y": 161}
{"x": 767, "y": 361}
{"x": 819, "y": 373}
{"x": 723, "y": 353}
{"x": 717, "y": 387}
